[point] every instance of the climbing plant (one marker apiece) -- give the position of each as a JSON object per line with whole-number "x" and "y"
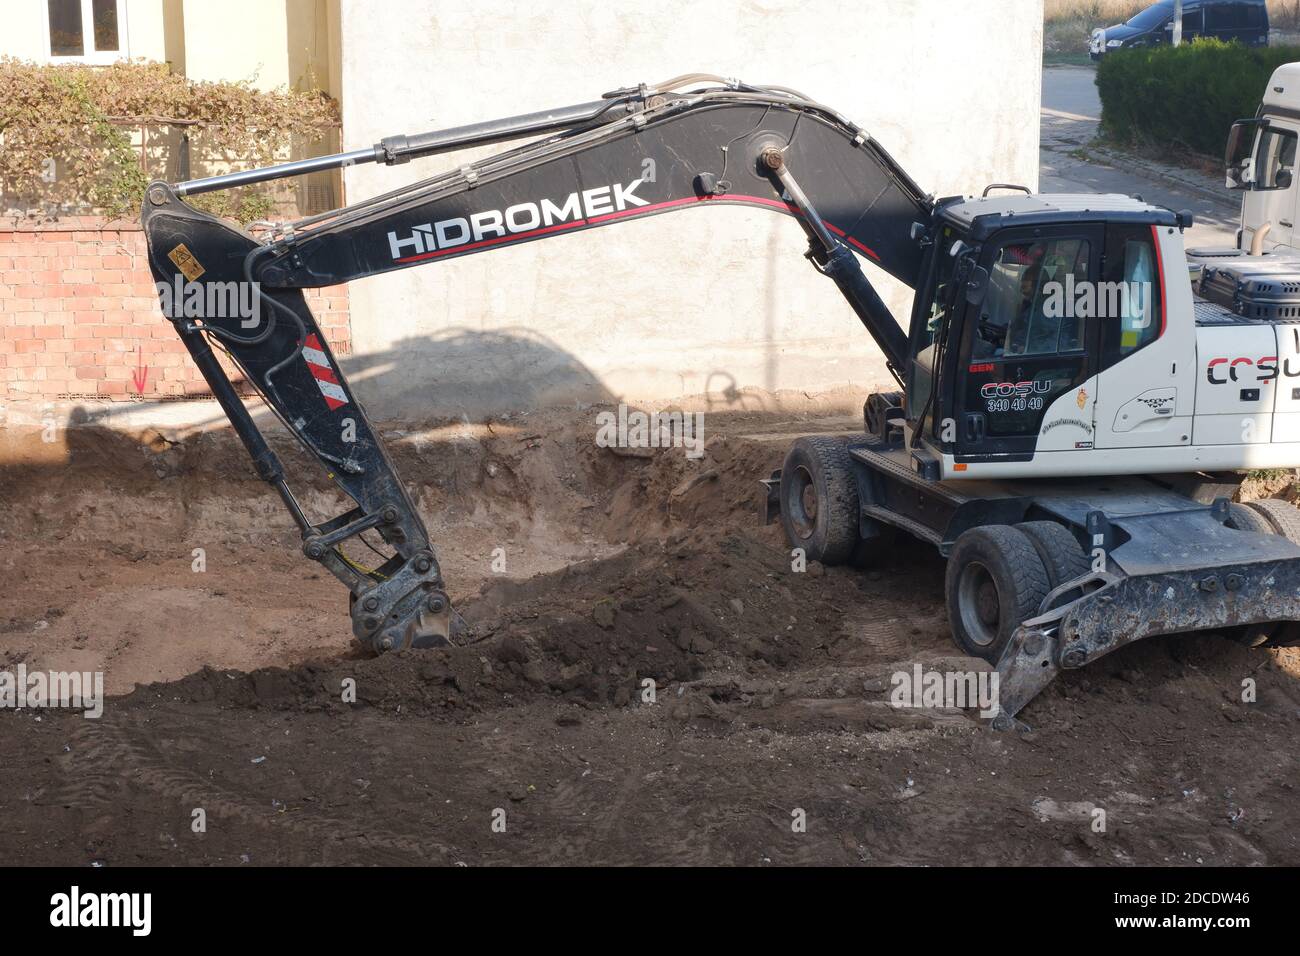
{"x": 88, "y": 139}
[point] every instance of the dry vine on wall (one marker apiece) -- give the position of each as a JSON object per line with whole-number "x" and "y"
{"x": 77, "y": 139}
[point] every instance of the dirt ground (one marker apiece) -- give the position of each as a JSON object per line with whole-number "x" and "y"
{"x": 771, "y": 687}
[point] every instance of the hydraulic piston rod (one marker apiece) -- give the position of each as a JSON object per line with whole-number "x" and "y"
{"x": 834, "y": 260}
{"x": 393, "y": 150}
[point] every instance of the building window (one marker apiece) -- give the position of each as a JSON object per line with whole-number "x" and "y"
{"x": 87, "y": 31}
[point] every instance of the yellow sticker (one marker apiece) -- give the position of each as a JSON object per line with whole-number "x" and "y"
{"x": 1082, "y": 398}
{"x": 186, "y": 262}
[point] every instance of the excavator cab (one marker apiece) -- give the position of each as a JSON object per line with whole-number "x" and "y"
{"x": 1010, "y": 322}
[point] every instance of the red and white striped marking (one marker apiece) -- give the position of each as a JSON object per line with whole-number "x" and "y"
{"x": 324, "y": 373}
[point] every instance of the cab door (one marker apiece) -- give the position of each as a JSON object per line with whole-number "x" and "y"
{"x": 1146, "y": 385}
{"x": 931, "y": 323}
{"x": 1270, "y": 184}
{"x": 1028, "y": 342}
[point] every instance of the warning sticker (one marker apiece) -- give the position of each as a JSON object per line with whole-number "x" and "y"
{"x": 321, "y": 370}
{"x": 186, "y": 262}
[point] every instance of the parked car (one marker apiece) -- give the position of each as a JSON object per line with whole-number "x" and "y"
{"x": 1245, "y": 21}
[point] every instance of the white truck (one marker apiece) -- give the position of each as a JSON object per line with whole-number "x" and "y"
{"x": 1260, "y": 161}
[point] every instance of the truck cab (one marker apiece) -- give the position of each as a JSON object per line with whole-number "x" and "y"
{"x": 1260, "y": 162}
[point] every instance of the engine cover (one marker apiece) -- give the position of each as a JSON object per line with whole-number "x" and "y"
{"x": 1261, "y": 288}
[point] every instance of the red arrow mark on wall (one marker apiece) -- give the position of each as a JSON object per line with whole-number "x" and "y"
{"x": 140, "y": 376}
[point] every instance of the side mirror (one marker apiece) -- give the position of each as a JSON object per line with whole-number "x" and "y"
{"x": 1283, "y": 179}
{"x": 1237, "y": 156}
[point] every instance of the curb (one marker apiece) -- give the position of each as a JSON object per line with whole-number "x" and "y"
{"x": 1132, "y": 164}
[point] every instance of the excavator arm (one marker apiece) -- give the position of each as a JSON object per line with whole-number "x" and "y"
{"x": 691, "y": 142}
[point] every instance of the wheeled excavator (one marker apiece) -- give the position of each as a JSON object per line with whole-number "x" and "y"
{"x": 1074, "y": 458}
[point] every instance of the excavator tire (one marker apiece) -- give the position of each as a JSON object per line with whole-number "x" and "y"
{"x": 819, "y": 499}
{"x": 995, "y": 581}
{"x": 1282, "y": 518}
{"x": 1059, "y": 550}
{"x": 1246, "y": 518}
{"x": 876, "y": 540}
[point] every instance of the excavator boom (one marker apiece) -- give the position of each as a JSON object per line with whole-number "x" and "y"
{"x": 676, "y": 146}
{"x": 1010, "y": 403}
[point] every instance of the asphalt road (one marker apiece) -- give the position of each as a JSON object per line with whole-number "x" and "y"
{"x": 1070, "y": 113}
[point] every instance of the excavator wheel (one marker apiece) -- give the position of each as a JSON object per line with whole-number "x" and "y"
{"x": 1281, "y": 518}
{"x": 876, "y": 540}
{"x": 995, "y": 581}
{"x": 1059, "y": 550}
{"x": 819, "y": 500}
{"x": 1248, "y": 518}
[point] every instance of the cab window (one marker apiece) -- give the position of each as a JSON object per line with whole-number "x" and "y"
{"x": 1275, "y": 158}
{"x": 940, "y": 301}
{"x": 1129, "y": 298}
{"x": 936, "y": 315}
{"x": 1030, "y": 307}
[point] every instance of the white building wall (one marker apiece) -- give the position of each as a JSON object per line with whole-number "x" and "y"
{"x": 24, "y": 31}
{"x": 702, "y": 300}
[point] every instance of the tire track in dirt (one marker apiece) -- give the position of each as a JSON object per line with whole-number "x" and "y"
{"x": 110, "y": 759}
{"x": 774, "y": 686}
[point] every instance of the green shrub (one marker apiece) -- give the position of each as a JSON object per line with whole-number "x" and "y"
{"x": 1187, "y": 96}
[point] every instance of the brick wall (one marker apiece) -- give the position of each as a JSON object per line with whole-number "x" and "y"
{"x": 80, "y": 319}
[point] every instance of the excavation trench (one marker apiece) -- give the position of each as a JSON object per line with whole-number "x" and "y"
{"x": 650, "y": 680}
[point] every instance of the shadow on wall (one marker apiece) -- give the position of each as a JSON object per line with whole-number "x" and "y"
{"x": 459, "y": 374}
{"x": 456, "y": 375}
{"x": 469, "y": 373}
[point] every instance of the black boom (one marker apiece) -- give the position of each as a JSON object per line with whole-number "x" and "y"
{"x": 635, "y": 153}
